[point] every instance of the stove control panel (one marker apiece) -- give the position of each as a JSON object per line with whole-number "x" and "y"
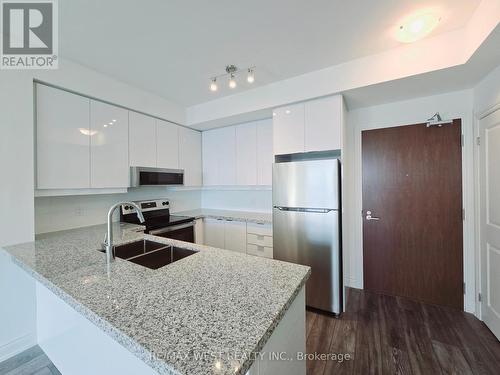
{"x": 154, "y": 205}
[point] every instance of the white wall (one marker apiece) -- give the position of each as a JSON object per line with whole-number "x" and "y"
{"x": 239, "y": 199}
{"x": 17, "y": 216}
{"x": 487, "y": 92}
{"x": 59, "y": 213}
{"x": 450, "y": 105}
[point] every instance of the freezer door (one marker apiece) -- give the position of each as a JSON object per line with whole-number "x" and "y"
{"x": 312, "y": 239}
{"x": 311, "y": 184}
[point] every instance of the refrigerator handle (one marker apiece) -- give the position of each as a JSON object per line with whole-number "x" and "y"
{"x": 299, "y": 209}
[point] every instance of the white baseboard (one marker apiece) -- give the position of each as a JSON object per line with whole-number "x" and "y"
{"x": 17, "y": 346}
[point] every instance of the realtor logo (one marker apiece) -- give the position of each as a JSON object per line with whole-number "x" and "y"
{"x": 29, "y": 34}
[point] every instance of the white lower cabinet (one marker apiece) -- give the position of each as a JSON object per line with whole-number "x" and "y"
{"x": 248, "y": 238}
{"x": 260, "y": 239}
{"x": 213, "y": 232}
{"x": 235, "y": 235}
{"x": 199, "y": 237}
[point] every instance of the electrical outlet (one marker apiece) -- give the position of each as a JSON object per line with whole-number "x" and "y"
{"x": 79, "y": 211}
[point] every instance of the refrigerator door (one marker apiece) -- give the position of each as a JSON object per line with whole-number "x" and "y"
{"x": 306, "y": 184}
{"x": 312, "y": 239}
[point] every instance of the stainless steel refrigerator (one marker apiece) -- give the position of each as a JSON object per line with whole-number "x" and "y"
{"x": 307, "y": 226}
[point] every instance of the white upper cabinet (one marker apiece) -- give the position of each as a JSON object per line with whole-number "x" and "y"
{"x": 190, "y": 156}
{"x": 219, "y": 156}
{"x": 142, "y": 140}
{"x": 63, "y": 139}
{"x": 210, "y": 158}
{"x": 323, "y": 119}
{"x": 108, "y": 146}
{"x": 288, "y": 129}
{"x": 265, "y": 157}
{"x": 167, "y": 145}
{"x": 315, "y": 125}
{"x": 246, "y": 154}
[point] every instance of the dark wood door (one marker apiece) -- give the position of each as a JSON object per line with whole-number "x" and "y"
{"x": 412, "y": 182}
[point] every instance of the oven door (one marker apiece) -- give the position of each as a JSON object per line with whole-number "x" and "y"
{"x": 181, "y": 232}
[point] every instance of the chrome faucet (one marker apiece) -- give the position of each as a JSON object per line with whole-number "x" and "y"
{"x": 108, "y": 243}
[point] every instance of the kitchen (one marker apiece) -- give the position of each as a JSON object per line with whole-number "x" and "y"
{"x": 248, "y": 194}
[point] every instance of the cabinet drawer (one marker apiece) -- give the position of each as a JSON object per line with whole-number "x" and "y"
{"x": 261, "y": 240}
{"x": 261, "y": 251}
{"x": 260, "y": 229}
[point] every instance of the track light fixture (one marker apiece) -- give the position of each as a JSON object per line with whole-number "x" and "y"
{"x": 213, "y": 85}
{"x": 232, "y": 72}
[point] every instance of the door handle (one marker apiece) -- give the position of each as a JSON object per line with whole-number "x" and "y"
{"x": 370, "y": 217}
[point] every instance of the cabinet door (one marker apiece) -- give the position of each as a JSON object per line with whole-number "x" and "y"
{"x": 265, "y": 157}
{"x": 210, "y": 158}
{"x": 167, "y": 145}
{"x": 63, "y": 139}
{"x": 108, "y": 146}
{"x": 226, "y": 139}
{"x": 323, "y": 119}
{"x": 198, "y": 232}
{"x": 288, "y": 129}
{"x": 219, "y": 156}
{"x": 190, "y": 156}
{"x": 213, "y": 231}
{"x": 235, "y": 233}
{"x": 246, "y": 154}
{"x": 142, "y": 140}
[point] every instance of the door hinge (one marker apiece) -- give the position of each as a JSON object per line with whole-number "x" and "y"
{"x": 463, "y": 214}
{"x": 478, "y": 141}
{"x": 462, "y": 141}
{"x": 464, "y": 288}
{"x": 480, "y": 297}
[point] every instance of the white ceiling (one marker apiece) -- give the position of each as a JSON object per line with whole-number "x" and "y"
{"x": 173, "y": 47}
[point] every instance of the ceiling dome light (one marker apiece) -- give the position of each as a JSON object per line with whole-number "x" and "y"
{"x": 417, "y": 27}
{"x": 213, "y": 85}
{"x": 251, "y": 76}
{"x": 232, "y": 82}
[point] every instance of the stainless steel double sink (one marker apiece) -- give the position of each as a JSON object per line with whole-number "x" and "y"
{"x": 150, "y": 254}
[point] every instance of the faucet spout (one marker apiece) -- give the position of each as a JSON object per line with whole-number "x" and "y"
{"x": 110, "y": 256}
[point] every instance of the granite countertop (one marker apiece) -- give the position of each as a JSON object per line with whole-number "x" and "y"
{"x": 248, "y": 216}
{"x": 216, "y": 306}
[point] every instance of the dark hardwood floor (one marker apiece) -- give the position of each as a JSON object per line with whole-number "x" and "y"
{"x": 392, "y": 335}
{"x": 30, "y": 362}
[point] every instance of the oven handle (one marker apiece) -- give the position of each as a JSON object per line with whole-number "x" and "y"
{"x": 172, "y": 228}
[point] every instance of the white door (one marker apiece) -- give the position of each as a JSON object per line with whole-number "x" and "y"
{"x": 142, "y": 140}
{"x": 489, "y": 149}
{"x": 190, "y": 156}
{"x": 108, "y": 146}
{"x": 265, "y": 156}
{"x": 288, "y": 129}
{"x": 167, "y": 145}
{"x": 63, "y": 139}
{"x": 246, "y": 154}
{"x": 213, "y": 232}
{"x": 235, "y": 234}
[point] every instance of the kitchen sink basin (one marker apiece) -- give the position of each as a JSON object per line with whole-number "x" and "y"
{"x": 151, "y": 254}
